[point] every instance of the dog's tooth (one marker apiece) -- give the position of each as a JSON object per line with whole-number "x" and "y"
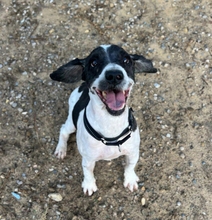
{"x": 104, "y": 94}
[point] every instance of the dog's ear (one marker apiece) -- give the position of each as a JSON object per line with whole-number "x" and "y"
{"x": 70, "y": 72}
{"x": 142, "y": 64}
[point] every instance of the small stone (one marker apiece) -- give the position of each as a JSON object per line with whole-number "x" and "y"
{"x": 194, "y": 181}
{"x": 18, "y": 96}
{"x": 177, "y": 176}
{"x": 188, "y": 66}
{"x": 190, "y": 164}
{"x": 35, "y": 166}
{"x": 182, "y": 148}
{"x": 203, "y": 162}
{"x": 182, "y": 155}
{"x": 168, "y": 111}
{"x": 156, "y": 85}
{"x": 16, "y": 195}
{"x": 33, "y": 44}
{"x": 51, "y": 31}
{"x": 87, "y": 31}
{"x": 178, "y": 203}
{"x": 168, "y": 135}
{"x": 143, "y": 201}
{"x": 55, "y": 196}
{"x": 20, "y": 110}
{"x": 24, "y": 73}
{"x": 14, "y": 104}
{"x": 61, "y": 186}
{"x": 19, "y": 182}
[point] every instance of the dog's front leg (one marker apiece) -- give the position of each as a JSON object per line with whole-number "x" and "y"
{"x": 65, "y": 131}
{"x": 130, "y": 177}
{"x": 89, "y": 182}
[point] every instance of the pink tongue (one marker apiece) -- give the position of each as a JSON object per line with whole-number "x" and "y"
{"x": 115, "y": 101}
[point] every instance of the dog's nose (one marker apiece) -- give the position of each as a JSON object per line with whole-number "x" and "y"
{"x": 114, "y": 76}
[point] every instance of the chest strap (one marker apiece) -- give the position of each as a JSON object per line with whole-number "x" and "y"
{"x": 115, "y": 141}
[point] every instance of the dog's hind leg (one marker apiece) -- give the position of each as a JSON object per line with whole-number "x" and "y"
{"x": 65, "y": 131}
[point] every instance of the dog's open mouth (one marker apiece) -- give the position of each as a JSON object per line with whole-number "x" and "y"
{"x": 115, "y": 99}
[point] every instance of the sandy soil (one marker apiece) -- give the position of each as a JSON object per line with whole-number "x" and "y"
{"x": 173, "y": 109}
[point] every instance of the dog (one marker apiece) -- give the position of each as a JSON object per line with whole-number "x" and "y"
{"x": 98, "y": 111}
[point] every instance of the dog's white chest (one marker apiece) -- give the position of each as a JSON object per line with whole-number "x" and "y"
{"x": 96, "y": 150}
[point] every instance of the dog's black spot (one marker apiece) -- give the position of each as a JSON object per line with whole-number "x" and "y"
{"x": 133, "y": 122}
{"x": 100, "y": 57}
{"x": 82, "y": 87}
{"x": 94, "y": 64}
{"x": 121, "y": 57}
{"x": 81, "y": 103}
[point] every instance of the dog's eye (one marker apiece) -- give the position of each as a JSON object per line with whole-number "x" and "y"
{"x": 126, "y": 60}
{"x": 93, "y": 63}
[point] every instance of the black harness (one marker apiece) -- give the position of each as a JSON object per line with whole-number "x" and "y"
{"x": 115, "y": 141}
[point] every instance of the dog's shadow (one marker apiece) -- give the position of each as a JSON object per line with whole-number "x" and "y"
{"x": 72, "y": 145}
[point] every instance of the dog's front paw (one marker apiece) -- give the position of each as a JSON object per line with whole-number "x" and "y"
{"x": 89, "y": 187}
{"x": 60, "y": 151}
{"x": 130, "y": 181}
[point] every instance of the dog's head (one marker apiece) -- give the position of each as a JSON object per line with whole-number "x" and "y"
{"x": 109, "y": 73}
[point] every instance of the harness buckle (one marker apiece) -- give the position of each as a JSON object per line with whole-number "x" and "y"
{"x": 103, "y": 141}
{"x": 119, "y": 147}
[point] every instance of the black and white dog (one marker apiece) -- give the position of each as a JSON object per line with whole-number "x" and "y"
{"x": 106, "y": 128}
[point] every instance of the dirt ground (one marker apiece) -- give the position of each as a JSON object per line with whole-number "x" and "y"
{"x": 173, "y": 109}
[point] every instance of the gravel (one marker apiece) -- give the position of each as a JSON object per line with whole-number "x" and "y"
{"x": 172, "y": 108}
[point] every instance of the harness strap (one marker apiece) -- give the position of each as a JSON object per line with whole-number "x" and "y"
{"x": 115, "y": 141}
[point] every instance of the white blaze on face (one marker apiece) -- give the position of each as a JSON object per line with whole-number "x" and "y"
{"x": 105, "y": 46}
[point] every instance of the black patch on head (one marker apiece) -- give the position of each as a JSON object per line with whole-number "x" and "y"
{"x": 90, "y": 68}
{"x": 81, "y": 103}
{"x": 119, "y": 56}
{"x": 94, "y": 64}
